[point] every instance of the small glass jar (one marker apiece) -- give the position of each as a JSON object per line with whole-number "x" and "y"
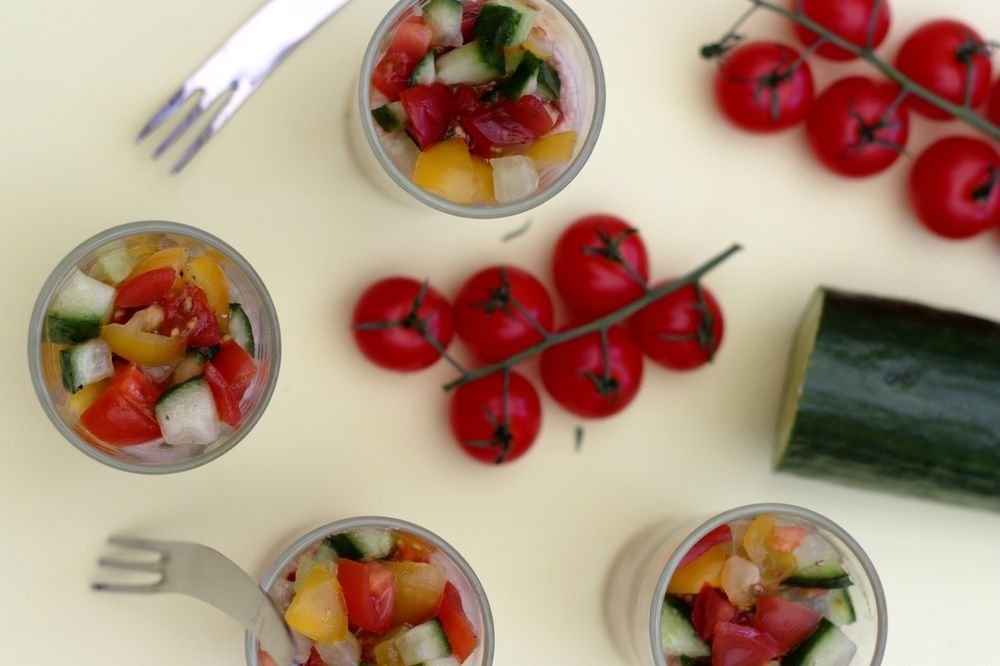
{"x": 442, "y": 554}
{"x": 245, "y": 288}
{"x": 578, "y": 54}
{"x": 637, "y": 583}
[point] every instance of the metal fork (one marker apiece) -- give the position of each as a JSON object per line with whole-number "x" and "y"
{"x": 200, "y": 572}
{"x": 238, "y": 67}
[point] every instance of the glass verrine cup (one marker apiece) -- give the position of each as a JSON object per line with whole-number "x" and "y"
{"x": 425, "y": 546}
{"x": 127, "y": 245}
{"x": 582, "y": 99}
{"x": 638, "y": 580}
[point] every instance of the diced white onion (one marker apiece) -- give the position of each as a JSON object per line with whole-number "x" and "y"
{"x": 514, "y": 178}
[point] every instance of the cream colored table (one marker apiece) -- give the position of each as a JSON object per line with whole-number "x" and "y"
{"x": 342, "y": 438}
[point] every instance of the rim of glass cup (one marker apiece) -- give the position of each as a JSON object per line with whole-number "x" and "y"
{"x": 37, "y": 325}
{"x": 339, "y": 526}
{"x": 756, "y": 509}
{"x": 481, "y": 212}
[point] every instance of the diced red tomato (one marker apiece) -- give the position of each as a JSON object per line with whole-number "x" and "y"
{"x": 369, "y": 592}
{"x": 314, "y": 659}
{"x": 410, "y": 43}
{"x": 146, "y": 288}
{"x": 507, "y": 123}
{"x": 226, "y": 402}
{"x": 236, "y": 366}
{"x": 466, "y": 98}
{"x": 470, "y": 12}
{"x": 786, "y": 621}
{"x": 116, "y": 420}
{"x": 786, "y": 538}
{"x": 721, "y": 534}
{"x": 429, "y": 111}
{"x": 190, "y": 315}
{"x": 458, "y": 629}
{"x": 738, "y": 645}
{"x": 711, "y": 607}
{"x": 410, "y": 550}
{"x": 134, "y": 384}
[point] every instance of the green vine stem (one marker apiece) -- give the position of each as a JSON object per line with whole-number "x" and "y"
{"x": 601, "y": 325}
{"x": 963, "y": 113}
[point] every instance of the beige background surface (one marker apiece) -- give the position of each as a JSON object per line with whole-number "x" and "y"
{"x": 342, "y": 438}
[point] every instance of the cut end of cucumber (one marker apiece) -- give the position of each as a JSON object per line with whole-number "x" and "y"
{"x": 79, "y": 309}
{"x": 677, "y": 635}
{"x": 798, "y": 366}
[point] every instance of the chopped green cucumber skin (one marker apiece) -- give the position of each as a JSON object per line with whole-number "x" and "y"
{"x": 840, "y": 608}
{"x": 504, "y": 23}
{"x": 423, "y": 74}
{"x": 79, "y": 309}
{"x": 422, "y": 643}
{"x": 86, "y": 363}
{"x": 549, "y": 83}
{"x": 240, "y": 328}
{"x": 389, "y": 116}
{"x": 837, "y": 582}
{"x": 363, "y": 543}
{"x": 444, "y": 18}
{"x": 823, "y": 646}
{"x": 677, "y": 634}
{"x": 524, "y": 80}
{"x": 895, "y": 396}
{"x": 70, "y": 330}
{"x": 475, "y": 63}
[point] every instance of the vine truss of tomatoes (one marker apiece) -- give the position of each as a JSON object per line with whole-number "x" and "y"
{"x": 592, "y": 366}
{"x": 859, "y": 126}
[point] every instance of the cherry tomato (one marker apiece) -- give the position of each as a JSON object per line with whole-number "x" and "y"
{"x": 477, "y": 417}
{"x": 950, "y": 59}
{"x": 429, "y": 112}
{"x": 599, "y": 265}
{"x": 850, "y": 19}
{"x": 459, "y": 631}
{"x": 737, "y": 645}
{"x": 369, "y": 593}
{"x": 993, "y": 110}
{"x": 189, "y": 315}
{"x": 236, "y": 366}
{"x": 146, "y": 288}
{"x": 495, "y": 308}
{"x": 589, "y": 382}
{"x": 227, "y": 404}
{"x": 856, "y": 128}
{"x": 680, "y": 331}
{"x": 116, "y": 420}
{"x": 764, "y": 87}
{"x": 711, "y": 607}
{"x": 785, "y": 621}
{"x": 409, "y": 44}
{"x": 392, "y": 318}
{"x": 954, "y": 187}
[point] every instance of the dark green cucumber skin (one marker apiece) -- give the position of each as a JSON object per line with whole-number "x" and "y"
{"x": 386, "y": 119}
{"x": 343, "y": 546}
{"x": 496, "y": 24}
{"x": 549, "y": 83}
{"x": 901, "y": 397}
{"x": 822, "y": 583}
{"x": 526, "y": 70}
{"x": 71, "y": 330}
{"x": 798, "y": 656}
{"x": 66, "y": 368}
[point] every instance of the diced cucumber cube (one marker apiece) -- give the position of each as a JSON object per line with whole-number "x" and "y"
{"x": 363, "y": 543}
{"x": 187, "y": 414}
{"x": 677, "y": 633}
{"x": 79, "y": 309}
{"x": 390, "y": 116}
{"x": 87, "y": 363}
{"x": 422, "y": 643}
{"x": 240, "y": 329}
{"x": 402, "y": 150}
{"x": 114, "y": 266}
{"x": 475, "y": 63}
{"x": 505, "y": 22}
{"x": 444, "y": 18}
{"x": 524, "y": 80}
{"x": 424, "y": 73}
{"x": 549, "y": 84}
{"x": 514, "y": 178}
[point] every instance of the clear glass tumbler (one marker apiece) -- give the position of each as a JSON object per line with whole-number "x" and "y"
{"x": 246, "y": 288}
{"x": 583, "y": 104}
{"x": 637, "y": 582}
{"x": 441, "y": 554}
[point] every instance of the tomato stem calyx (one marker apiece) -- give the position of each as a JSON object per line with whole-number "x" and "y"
{"x": 611, "y": 250}
{"x": 982, "y": 194}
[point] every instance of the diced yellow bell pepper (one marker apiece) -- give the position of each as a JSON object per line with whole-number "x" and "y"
{"x": 552, "y": 150}
{"x": 85, "y": 397}
{"x": 318, "y": 610}
{"x": 775, "y": 566}
{"x": 419, "y": 588}
{"x": 446, "y": 169}
{"x": 171, "y": 256}
{"x": 706, "y": 569}
{"x": 484, "y": 180}
{"x": 206, "y": 273}
{"x": 141, "y": 347}
{"x": 386, "y": 653}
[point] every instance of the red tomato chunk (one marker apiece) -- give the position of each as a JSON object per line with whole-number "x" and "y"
{"x": 456, "y": 625}
{"x": 146, "y": 288}
{"x": 737, "y": 645}
{"x": 190, "y": 316}
{"x": 786, "y": 621}
{"x": 430, "y": 111}
{"x": 507, "y": 124}
{"x": 369, "y": 593}
{"x": 710, "y": 608}
{"x": 408, "y": 46}
{"x": 236, "y": 366}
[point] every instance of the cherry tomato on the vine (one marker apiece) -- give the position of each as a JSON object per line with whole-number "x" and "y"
{"x": 493, "y": 428}
{"x": 599, "y": 265}
{"x": 764, "y": 87}
{"x": 589, "y": 380}
{"x": 680, "y": 331}
{"x": 950, "y": 59}
{"x": 396, "y": 322}
{"x": 495, "y": 309}
{"x": 955, "y": 187}
{"x": 854, "y": 20}
{"x": 857, "y": 127}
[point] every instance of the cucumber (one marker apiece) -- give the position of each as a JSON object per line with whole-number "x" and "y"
{"x": 677, "y": 635}
{"x": 826, "y": 575}
{"x": 79, "y": 309}
{"x": 441, "y": 661}
{"x": 402, "y": 150}
{"x": 365, "y": 543}
{"x": 475, "y": 63}
{"x": 826, "y": 646}
{"x": 444, "y": 18}
{"x": 113, "y": 266}
{"x": 424, "y": 73}
{"x": 240, "y": 329}
{"x": 504, "y": 22}
{"x": 422, "y": 643}
{"x": 549, "y": 83}
{"x": 895, "y": 396}
{"x": 524, "y": 80}
{"x": 390, "y": 116}
{"x": 87, "y": 363}
{"x": 840, "y": 608}
{"x": 834, "y": 604}
{"x": 187, "y": 414}
{"x": 325, "y": 553}
{"x": 192, "y": 365}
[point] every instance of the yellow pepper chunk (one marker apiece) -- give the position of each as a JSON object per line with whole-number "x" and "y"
{"x": 141, "y": 347}
{"x": 171, "y": 256}
{"x": 318, "y": 610}
{"x": 552, "y": 150}
{"x": 706, "y": 569}
{"x": 762, "y": 549}
{"x": 206, "y": 273}
{"x": 386, "y": 653}
{"x": 419, "y": 588}
{"x": 484, "y": 180}
{"x": 446, "y": 169}
{"x": 79, "y": 402}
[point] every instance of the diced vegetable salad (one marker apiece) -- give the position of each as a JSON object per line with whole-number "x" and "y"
{"x": 376, "y": 597}
{"x": 469, "y": 97}
{"x": 151, "y": 348}
{"x": 771, "y": 591}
